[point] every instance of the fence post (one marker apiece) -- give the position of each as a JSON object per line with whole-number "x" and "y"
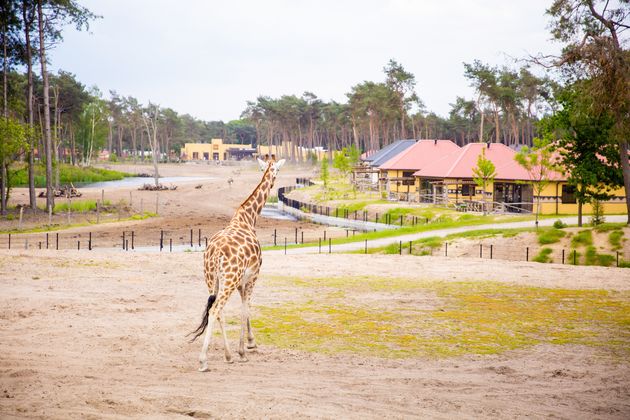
{"x": 366, "y": 246}
{"x": 199, "y": 238}
{"x": 617, "y": 258}
{"x": 320, "y": 244}
{"x": 480, "y": 250}
{"x": 78, "y": 245}
{"x": 89, "y": 242}
{"x": 170, "y": 244}
{"x": 376, "y": 218}
{"x": 302, "y": 236}
{"x": 123, "y": 240}
{"x": 57, "y": 241}
{"x": 9, "y": 241}
{"x": 161, "y": 239}
{"x": 399, "y": 247}
{"x": 191, "y": 238}
{"x": 527, "y": 254}
{"x": 330, "y": 245}
{"x": 285, "y": 245}
{"x": 401, "y": 220}
{"x": 132, "y": 239}
{"x": 410, "y": 248}
{"x": 275, "y": 235}
{"x": 574, "y": 257}
{"x": 490, "y": 251}
{"x": 563, "y": 256}
{"x": 324, "y": 235}
{"x": 446, "y": 249}
{"x": 46, "y": 240}
{"x": 296, "y": 241}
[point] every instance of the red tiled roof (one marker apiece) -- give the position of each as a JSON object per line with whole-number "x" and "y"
{"x": 459, "y": 164}
{"x": 421, "y": 154}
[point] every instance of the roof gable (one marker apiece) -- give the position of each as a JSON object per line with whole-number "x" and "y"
{"x": 421, "y": 154}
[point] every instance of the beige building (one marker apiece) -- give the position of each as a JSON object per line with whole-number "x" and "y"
{"x": 216, "y": 150}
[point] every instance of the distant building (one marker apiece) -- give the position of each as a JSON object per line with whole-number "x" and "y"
{"x": 217, "y": 151}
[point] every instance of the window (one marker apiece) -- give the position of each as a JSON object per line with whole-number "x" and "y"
{"x": 568, "y": 194}
{"x": 408, "y": 174}
{"x": 195, "y": 155}
{"x": 468, "y": 190}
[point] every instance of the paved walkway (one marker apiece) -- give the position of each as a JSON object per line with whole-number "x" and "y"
{"x": 374, "y": 243}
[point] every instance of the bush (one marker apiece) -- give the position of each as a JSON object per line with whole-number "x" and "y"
{"x": 113, "y": 157}
{"x": 558, "y": 224}
{"x": 583, "y": 238}
{"x": 544, "y": 256}
{"x": 615, "y": 239}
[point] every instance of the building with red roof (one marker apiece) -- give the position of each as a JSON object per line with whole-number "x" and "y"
{"x": 397, "y": 173}
{"x": 451, "y": 179}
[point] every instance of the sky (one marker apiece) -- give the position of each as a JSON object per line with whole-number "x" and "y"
{"x": 208, "y": 58}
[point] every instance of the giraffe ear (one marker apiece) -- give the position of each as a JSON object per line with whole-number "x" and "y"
{"x": 262, "y": 164}
{"x": 278, "y": 164}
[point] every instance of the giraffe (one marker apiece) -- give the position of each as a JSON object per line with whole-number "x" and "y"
{"x": 232, "y": 261}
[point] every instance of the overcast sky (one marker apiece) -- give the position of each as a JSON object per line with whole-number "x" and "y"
{"x": 208, "y": 58}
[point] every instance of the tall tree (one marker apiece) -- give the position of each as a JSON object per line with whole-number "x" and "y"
{"x": 403, "y": 84}
{"x": 592, "y": 32}
{"x": 54, "y": 14}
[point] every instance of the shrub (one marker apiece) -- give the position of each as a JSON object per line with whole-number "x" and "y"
{"x": 593, "y": 258}
{"x": 582, "y": 238}
{"x": 544, "y": 256}
{"x": 615, "y": 239}
{"x": 113, "y": 157}
{"x": 559, "y": 224}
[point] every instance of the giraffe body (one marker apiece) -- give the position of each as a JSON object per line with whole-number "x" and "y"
{"x": 232, "y": 261}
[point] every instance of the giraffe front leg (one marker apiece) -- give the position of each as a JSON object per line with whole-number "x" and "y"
{"x": 228, "y": 354}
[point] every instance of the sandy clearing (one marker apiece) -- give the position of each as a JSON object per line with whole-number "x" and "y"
{"x": 101, "y": 334}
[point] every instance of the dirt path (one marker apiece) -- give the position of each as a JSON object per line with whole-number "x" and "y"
{"x": 101, "y": 334}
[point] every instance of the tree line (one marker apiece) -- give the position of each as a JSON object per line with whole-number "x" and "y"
{"x": 506, "y": 108}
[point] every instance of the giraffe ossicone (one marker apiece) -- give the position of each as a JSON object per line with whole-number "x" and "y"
{"x": 232, "y": 261}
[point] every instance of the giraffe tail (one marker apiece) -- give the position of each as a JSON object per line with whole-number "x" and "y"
{"x": 204, "y": 321}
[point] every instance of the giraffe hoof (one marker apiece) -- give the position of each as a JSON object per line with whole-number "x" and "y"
{"x": 229, "y": 361}
{"x": 243, "y": 359}
{"x": 203, "y": 368}
{"x": 252, "y": 346}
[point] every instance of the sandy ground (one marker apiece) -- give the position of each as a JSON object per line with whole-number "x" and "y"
{"x": 101, "y": 335}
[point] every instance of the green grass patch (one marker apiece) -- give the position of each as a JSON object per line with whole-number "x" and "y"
{"x": 463, "y": 318}
{"x": 550, "y": 236}
{"x": 592, "y": 257}
{"x": 82, "y": 206}
{"x": 544, "y": 256}
{"x": 67, "y": 174}
{"x": 582, "y": 238}
{"x": 614, "y": 238}
{"x": 608, "y": 227}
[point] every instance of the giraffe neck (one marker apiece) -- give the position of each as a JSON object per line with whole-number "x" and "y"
{"x": 250, "y": 209}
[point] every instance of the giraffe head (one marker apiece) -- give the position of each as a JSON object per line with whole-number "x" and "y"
{"x": 272, "y": 163}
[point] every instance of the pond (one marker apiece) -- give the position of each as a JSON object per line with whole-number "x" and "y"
{"x": 139, "y": 181}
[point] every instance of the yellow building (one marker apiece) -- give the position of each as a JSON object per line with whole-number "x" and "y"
{"x": 216, "y": 150}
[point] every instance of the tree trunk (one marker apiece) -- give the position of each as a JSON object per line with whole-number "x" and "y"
{"x": 27, "y": 20}
{"x": 50, "y": 198}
